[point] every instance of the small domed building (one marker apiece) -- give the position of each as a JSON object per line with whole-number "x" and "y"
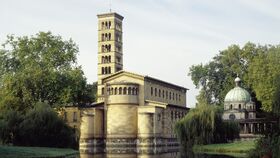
{"x": 238, "y": 104}
{"x": 239, "y": 107}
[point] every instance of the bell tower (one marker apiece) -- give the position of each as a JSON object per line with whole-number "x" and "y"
{"x": 110, "y": 56}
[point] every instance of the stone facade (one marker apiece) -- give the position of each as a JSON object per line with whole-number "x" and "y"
{"x": 132, "y": 110}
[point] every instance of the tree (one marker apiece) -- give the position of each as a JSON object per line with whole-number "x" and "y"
{"x": 265, "y": 79}
{"x": 40, "y": 68}
{"x": 216, "y": 78}
{"x": 204, "y": 125}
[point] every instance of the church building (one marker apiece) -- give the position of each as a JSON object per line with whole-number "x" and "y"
{"x": 132, "y": 110}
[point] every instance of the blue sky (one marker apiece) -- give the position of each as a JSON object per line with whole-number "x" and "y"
{"x": 162, "y": 38}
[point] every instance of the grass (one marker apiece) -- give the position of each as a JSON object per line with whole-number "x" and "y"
{"x": 237, "y": 149}
{"x": 34, "y": 152}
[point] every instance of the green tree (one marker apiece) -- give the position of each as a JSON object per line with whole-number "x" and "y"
{"x": 204, "y": 125}
{"x": 216, "y": 78}
{"x": 40, "y": 68}
{"x": 265, "y": 79}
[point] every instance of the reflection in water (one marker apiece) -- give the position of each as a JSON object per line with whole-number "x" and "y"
{"x": 144, "y": 153}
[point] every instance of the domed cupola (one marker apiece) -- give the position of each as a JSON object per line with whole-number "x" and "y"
{"x": 238, "y": 94}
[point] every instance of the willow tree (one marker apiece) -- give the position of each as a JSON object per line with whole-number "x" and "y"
{"x": 204, "y": 125}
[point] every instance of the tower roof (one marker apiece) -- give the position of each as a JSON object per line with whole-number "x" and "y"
{"x": 105, "y": 15}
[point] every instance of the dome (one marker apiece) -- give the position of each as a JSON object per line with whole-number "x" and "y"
{"x": 238, "y": 94}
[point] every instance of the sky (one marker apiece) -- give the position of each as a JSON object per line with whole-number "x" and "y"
{"x": 161, "y": 38}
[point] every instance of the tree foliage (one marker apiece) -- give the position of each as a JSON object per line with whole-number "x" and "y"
{"x": 257, "y": 65}
{"x": 40, "y": 126}
{"x": 40, "y": 68}
{"x": 204, "y": 125}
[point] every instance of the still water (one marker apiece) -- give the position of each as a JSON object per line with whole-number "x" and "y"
{"x": 145, "y": 153}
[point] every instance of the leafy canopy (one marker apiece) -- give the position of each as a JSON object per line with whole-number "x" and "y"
{"x": 40, "y": 68}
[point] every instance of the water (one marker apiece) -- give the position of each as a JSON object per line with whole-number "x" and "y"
{"x": 144, "y": 153}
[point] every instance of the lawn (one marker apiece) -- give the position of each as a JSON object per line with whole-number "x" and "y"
{"x": 238, "y": 148}
{"x": 34, "y": 152}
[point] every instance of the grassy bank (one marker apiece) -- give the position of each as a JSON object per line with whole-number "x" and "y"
{"x": 34, "y": 152}
{"x": 238, "y": 148}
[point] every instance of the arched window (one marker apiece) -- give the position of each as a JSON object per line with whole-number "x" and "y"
{"x": 116, "y": 91}
{"x": 106, "y": 70}
{"x": 102, "y": 91}
{"x": 109, "y": 25}
{"x": 120, "y": 90}
{"x": 179, "y": 97}
{"x": 166, "y": 94}
{"x": 136, "y": 91}
{"x": 133, "y": 91}
{"x": 102, "y": 37}
{"x": 155, "y": 91}
{"x": 129, "y": 90}
{"x": 159, "y": 93}
{"x": 109, "y": 48}
{"x": 106, "y": 25}
{"x": 103, "y": 71}
{"x": 170, "y": 96}
{"x": 102, "y": 25}
{"x": 109, "y": 36}
{"x": 124, "y": 90}
{"x": 239, "y": 106}
{"x": 176, "y": 96}
{"x": 230, "y": 107}
{"x": 112, "y": 91}
{"x": 173, "y": 96}
{"x": 162, "y": 93}
{"x": 152, "y": 91}
{"x": 109, "y": 59}
{"x": 102, "y": 59}
{"x": 103, "y": 48}
{"x": 106, "y": 59}
{"x": 109, "y": 70}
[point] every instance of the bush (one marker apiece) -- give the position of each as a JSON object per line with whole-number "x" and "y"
{"x": 40, "y": 126}
{"x": 204, "y": 125}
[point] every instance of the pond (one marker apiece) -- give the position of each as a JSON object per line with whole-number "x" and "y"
{"x": 145, "y": 153}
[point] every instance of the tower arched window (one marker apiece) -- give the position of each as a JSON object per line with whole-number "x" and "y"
{"x": 109, "y": 70}
{"x": 129, "y": 91}
{"x": 109, "y": 59}
{"x": 109, "y": 48}
{"x": 230, "y": 107}
{"x": 102, "y": 37}
{"x": 173, "y": 96}
{"x": 176, "y": 96}
{"x": 166, "y": 94}
{"x": 152, "y": 91}
{"x": 116, "y": 91}
{"x": 155, "y": 91}
{"x": 159, "y": 93}
{"x": 106, "y": 70}
{"x": 120, "y": 90}
{"x": 109, "y": 36}
{"x": 103, "y": 71}
{"x": 106, "y": 59}
{"x": 170, "y": 96}
{"x": 109, "y": 24}
{"x": 106, "y": 25}
{"x": 103, "y": 48}
{"x": 162, "y": 93}
{"x": 239, "y": 106}
{"x": 102, "y": 25}
{"x": 102, "y": 59}
{"x": 124, "y": 90}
